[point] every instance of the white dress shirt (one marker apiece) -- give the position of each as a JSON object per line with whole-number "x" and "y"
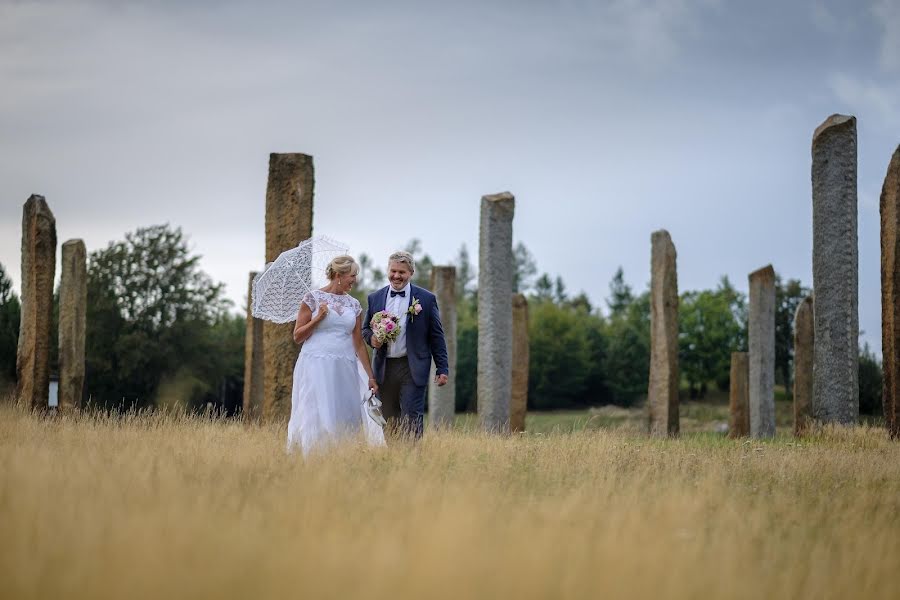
{"x": 398, "y": 305}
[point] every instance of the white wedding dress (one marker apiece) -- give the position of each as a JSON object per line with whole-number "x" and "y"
{"x": 329, "y": 382}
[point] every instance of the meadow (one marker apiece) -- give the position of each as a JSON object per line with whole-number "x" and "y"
{"x": 169, "y": 506}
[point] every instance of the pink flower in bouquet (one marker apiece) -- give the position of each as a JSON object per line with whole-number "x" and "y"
{"x": 385, "y": 326}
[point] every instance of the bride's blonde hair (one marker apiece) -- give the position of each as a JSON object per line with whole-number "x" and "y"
{"x": 341, "y": 265}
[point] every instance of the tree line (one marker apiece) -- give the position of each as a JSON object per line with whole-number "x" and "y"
{"x": 161, "y": 333}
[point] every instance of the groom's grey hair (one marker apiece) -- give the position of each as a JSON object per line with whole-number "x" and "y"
{"x": 401, "y": 256}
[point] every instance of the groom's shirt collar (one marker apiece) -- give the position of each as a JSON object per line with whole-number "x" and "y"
{"x": 407, "y": 289}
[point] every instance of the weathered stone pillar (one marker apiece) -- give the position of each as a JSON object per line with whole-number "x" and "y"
{"x": 761, "y": 343}
{"x": 289, "y": 214}
{"x": 804, "y": 341}
{"x": 38, "y": 271}
{"x": 739, "y": 396}
{"x": 890, "y": 294}
{"x": 495, "y": 286}
{"x": 662, "y": 393}
{"x": 72, "y": 324}
{"x": 519, "y": 398}
{"x": 442, "y": 400}
{"x": 835, "y": 272}
{"x": 254, "y": 370}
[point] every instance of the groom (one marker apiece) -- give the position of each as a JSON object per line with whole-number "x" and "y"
{"x": 402, "y": 367}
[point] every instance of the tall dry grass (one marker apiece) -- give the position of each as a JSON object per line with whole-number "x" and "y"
{"x": 164, "y": 507}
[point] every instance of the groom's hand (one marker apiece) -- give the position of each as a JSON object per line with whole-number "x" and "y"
{"x": 441, "y": 379}
{"x": 376, "y": 343}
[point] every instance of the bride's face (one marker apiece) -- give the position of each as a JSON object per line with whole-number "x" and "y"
{"x": 398, "y": 274}
{"x": 346, "y": 281}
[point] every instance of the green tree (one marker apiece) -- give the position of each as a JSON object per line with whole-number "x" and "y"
{"x": 10, "y": 316}
{"x": 543, "y": 288}
{"x": 709, "y": 331}
{"x": 628, "y": 351}
{"x": 625, "y": 344}
{"x": 559, "y": 291}
{"x": 620, "y": 295}
{"x": 465, "y": 273}
{"x": 580, "y": 302}
{"x": 525, "y": 269}
{"x": 422, "y": 276}
{"x": 560, "y": 353}
{"x": 364, "y": 282}
{"x": 788, "y": 296}
{"x": 870, "y": 383}
{"x": 466, "y": 354}
{"x": 151, "y": 312}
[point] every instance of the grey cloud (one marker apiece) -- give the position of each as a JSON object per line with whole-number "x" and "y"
{"x": 607, "y": 120}
{"x": 887, "y": 12}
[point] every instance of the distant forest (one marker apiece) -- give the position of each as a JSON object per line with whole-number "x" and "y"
{"x": 161, "y": 333}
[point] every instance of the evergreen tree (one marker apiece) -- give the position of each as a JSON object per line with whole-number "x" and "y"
{"x": 465, "y": 273}
{"x": 788, "y": 296}
{"x": 422, "y": 276}
{"x": 620, "y": 295}
{"x": 525, "y": 269}
{"x": 10, "y": 316}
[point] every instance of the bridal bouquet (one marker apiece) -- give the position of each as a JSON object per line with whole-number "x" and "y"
{"x": 385, "y": 326}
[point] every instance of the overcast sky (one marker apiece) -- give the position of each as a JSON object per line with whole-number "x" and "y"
{"x": 606, "y": 120}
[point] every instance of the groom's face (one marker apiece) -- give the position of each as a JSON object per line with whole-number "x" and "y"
{"x": 398, "y": 274}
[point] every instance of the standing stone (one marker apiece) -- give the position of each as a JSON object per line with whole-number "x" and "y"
{"x": 442, "y": 400}
{"x": 761, "y": 334}
{"x": 739, "y": 396}
{"x": 38, "y": 271}
{"x": 835, "y": 272}
{"x": 662, "y": 393}
{"x": 495, "y": 286}
{"x": 890, "y": 294}
{"x": 254, "y": 369}
{"x": 289, "y": 213}
{"x": 519, "y": 398}
{"x": 72, "y": 324}
{"x": 804, "y": 342}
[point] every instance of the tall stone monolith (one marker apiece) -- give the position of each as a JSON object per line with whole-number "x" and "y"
{"x": 835, "y": 272}
{"x": 254, "y": 368}
{"x": 495, "y": 332}
{"x": 804, "y": 343}
{"x": 289, "y": 214}
{"x": 761, "y": 344}
{"x": 662, "y": 393}
{"x": 72, "y": 324}
{"x": 442, "y": 400}
{"x": 38, "y": 272}
{"x": 519, "y": 398}
{"x": 739, "y": 396}
{"x": 890, "y": 294}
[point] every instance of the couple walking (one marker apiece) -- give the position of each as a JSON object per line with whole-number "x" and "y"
{"x": 333, "y": 375}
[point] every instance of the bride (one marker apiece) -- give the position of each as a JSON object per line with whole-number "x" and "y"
{"x": 332, "y": 375}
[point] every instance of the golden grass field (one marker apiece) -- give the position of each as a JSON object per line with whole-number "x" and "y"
{"x": 156, "y": 506}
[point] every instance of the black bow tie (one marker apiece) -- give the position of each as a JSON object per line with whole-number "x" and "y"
{"x": 400, "y": 293}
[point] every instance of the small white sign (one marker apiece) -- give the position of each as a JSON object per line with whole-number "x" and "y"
{"x": 54, "y": 393}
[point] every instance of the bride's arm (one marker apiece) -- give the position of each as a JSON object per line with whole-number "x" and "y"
{"x": 306, "y": 324}
{"x": 362, "y": 354}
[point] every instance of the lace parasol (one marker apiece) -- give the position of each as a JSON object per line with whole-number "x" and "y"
{"x": 278, "y": 291}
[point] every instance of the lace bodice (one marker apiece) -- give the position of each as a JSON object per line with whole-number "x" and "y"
{"x": 332, "y": 336}
{"x": 336, "y": 302}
